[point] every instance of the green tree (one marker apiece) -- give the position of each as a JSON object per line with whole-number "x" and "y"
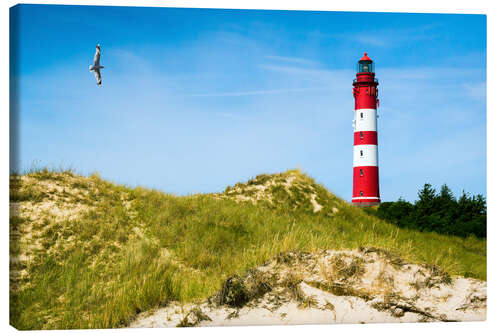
{"x": 447, "y": 210}
{"x": 441, "y": 212}
{"x": 424, "y": 207}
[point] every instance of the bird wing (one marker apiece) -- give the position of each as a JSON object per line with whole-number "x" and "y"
{"x": 97, "y": 73}
{"x": 97, "y": 56}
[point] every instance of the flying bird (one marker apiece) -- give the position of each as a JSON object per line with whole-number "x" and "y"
{"x": 97, "y": 66}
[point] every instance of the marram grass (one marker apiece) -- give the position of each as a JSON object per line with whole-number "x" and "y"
{"x": 136, "y": 249}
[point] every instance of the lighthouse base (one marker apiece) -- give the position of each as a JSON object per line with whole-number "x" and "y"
{"x": 365, "y": 204}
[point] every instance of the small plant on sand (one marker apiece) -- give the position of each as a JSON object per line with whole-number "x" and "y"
{"x": 344, "y": 269}
{"x": 291, "y": 284}
{"x": 193, "y": 318}
{"x": 309, "y": 302}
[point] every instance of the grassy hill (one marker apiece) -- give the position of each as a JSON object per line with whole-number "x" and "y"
{"x": 86, "y": 253}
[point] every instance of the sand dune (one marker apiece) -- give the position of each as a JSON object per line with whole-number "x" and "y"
{"x": 362, "y": 286}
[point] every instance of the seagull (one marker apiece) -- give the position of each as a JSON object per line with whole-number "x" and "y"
{"x": 97, "y": 67}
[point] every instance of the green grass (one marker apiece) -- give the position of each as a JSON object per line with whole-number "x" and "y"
{"x": 188, "y": 246}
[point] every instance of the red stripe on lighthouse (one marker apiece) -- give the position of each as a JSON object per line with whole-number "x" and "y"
{"x": 365, "y": 138}
{"x": 365, "y": 182}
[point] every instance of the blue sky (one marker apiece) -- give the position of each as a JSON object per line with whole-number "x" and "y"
{"x": 194, "y": 100}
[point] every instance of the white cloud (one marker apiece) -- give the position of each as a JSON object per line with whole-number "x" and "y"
{"x": 292, "y": 60}
{"x": 476, "y": 90}
{"x": 259, "y": 92}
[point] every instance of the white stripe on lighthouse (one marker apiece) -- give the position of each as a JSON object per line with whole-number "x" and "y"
{"x": 365, "y": 120}
{"x": 365, "y": 155}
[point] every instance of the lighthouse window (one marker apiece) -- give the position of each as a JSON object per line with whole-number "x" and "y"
{"x": 361, "y": 115}
{"x": 366, "y": 66}
{"x": 360, "y": 153}
{"x": 361, "y": 172}
{"x": 360, "y": 193}
{"x": 361, "y": 135}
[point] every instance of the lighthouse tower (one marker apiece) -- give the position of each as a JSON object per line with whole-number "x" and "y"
{"x": 365, "y": 189}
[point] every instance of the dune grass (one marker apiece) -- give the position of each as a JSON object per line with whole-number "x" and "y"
{"x": 137, "y": 249}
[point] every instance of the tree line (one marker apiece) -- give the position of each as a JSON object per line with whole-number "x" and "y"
{"x": 440, "y": 212}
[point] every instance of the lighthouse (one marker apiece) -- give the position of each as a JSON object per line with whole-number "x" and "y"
{"x": 365, "y": 188}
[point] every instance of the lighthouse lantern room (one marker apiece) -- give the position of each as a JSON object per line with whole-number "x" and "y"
{"x": 365, "y": 190}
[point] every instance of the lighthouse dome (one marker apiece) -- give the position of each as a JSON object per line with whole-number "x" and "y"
{"x": 365, "y": 58}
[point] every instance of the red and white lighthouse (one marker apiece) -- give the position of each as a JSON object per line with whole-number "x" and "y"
{"x": 365, "y": 189}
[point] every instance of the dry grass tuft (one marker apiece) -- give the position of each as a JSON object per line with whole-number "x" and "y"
{"x": 193, "y": 318}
